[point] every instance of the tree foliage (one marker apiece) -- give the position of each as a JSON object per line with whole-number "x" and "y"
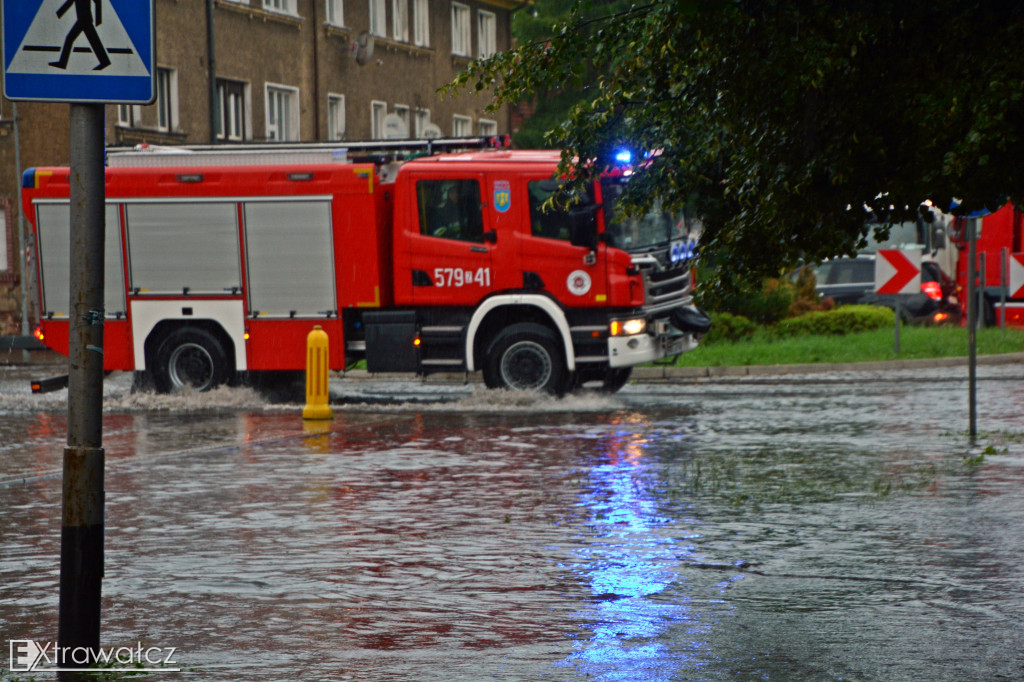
{"x": 778, "y": 121}
{"x": 551, "y": 106}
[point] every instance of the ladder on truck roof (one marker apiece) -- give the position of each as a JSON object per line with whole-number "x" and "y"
{"x": 379, "y": 152}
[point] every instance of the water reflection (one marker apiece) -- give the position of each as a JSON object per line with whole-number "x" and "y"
{"x": 631, "y": 555}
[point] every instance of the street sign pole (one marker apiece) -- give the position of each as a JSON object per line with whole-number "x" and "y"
{"x": 57, "y": 51}
{"x": 896, "y": 315}
{"x": 972, "y": 324}
{"x": 82, "y": 524}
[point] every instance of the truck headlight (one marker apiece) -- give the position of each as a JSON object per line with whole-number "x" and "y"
{"x": 628, "y": 327}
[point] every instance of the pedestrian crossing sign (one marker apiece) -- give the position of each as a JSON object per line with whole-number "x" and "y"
{"x": 85, "y": 51}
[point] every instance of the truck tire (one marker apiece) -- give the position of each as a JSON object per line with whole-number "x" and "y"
{"x": 526, "y": 357}
{"x": 190, "y": 358}
{"x": 612, "y": 379}
{"x": 616, "y": 378}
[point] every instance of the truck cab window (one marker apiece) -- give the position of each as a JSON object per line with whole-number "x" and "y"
{"x": 551, "y": 222}
{"x": 450, "y": 209}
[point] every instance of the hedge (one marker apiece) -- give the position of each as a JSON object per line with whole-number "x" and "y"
{"x": 842, "y": 320}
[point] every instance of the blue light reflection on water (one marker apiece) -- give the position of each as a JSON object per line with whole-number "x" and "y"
{"x": 632, "y": 560}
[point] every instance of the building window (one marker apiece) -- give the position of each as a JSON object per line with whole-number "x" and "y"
{"x": 378, "y": 110}
{"x": 378, "y": 19}
{"x": 421, "y": 23}
{"x": 232, "y": 106}
{"x": 400, "y": 20}
{"x": 462, "y": 126}
{"x": 486, "y": 32}
{"x": 487, "y": 128}
{"x": 166, "y": 99}
{"x": 335, "y": 117}
{"x": 283, "y": 6}
{"x": 335, "y": 13}
{"x": 126, "y": 115}
{"x": 402, "y": 112}
{"x": 282, "y": 113}
{"x": 421, "y": 119}
{"x": 461, "y": 35}
{"x": 8, "y": 248}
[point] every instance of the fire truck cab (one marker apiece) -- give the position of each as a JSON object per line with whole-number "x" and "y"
{"x": 219, "y": 261}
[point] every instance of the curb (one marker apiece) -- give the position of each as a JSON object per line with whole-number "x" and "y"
{"x": 665, "y": 374}
{"x": 692, "y": 373}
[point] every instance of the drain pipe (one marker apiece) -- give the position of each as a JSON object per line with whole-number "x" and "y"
{"x": 22, "y": 259}
{"x": 211, "y": 60}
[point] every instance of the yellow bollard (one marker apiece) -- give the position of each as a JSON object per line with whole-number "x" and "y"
{"x": 317, "y": 368}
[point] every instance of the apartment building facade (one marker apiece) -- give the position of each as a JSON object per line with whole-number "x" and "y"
{"x": 255, "y": 71}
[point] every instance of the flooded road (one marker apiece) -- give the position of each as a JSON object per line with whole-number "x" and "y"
{"x": 826, "y": 527}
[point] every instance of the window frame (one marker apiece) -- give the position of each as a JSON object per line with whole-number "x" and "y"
{"x": 8, "y": 259}
{"x": 378, "y": 110}
{"x": 378, "y": 18}
{"x": 293, "y": 112}
{"x": 166, "y": 102}
{"x": 421, "y": 119}
{"x": 281, "y": 7}
{"x": 490, "y": 125}
{"x": 487, "y": 33}
{"x": 241, "y": 90}
{"x": 400, "y": 20}
{"x": 463, "y": 224}
{"x": 421, "y": 23}
{"x": 464, "y": 123}
{"x": 462, "y": 30}
{"x": 335, "y": 117}
{"x": 335, "y": 12}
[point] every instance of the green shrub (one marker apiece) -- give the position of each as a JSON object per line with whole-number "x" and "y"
{"x": 842, "y": 320}
{"x": 729, "y": 327}
{"x": 766, "y": 306}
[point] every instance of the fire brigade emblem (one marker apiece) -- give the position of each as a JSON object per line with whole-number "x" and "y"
{"x": 578, "y": 282}
{"x": 502, "y": 196}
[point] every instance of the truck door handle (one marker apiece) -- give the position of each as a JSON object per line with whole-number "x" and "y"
{"x": 478, "y": 249}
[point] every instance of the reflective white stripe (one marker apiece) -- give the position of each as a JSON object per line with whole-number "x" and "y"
{"x": 542, "y": 302}
{"x": 145, "y": 315}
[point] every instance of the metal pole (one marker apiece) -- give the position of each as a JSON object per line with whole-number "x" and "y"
{"x": 211, "y": 57}
{"x": 972, "y": 326}
{"x": 896, "y": 314}
{"x": 982, "y": 283}
{"x": 82, "y": 523}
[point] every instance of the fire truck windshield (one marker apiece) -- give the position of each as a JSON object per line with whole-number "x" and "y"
{"x": 650, "y": 232}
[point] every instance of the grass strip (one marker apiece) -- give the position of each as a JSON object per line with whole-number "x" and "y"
{"x": 869, "y": 346}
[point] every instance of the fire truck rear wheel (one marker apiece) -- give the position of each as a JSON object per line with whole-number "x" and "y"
{"x": 190, "y": 358}
{"x": 526, "y": 357}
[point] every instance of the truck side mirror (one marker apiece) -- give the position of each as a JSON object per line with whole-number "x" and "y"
{"x": 583, "y": 227}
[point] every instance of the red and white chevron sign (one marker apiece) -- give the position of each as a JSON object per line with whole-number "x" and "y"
{"x": 898, "y": 271}
{"x": 1016, "y": 275}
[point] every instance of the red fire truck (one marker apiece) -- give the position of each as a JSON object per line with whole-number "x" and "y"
{"x": 220, "y": 260}
{"x": 998, "y": 234}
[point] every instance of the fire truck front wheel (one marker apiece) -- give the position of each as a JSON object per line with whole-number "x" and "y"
{"x": 190, "y": 358}
{"x": 526, "y": 357}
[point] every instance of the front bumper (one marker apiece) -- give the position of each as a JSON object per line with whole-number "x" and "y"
{"x": 627, "y": 351}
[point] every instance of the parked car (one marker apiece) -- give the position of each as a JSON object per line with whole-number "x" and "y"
{"x": 852, "y": 280}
